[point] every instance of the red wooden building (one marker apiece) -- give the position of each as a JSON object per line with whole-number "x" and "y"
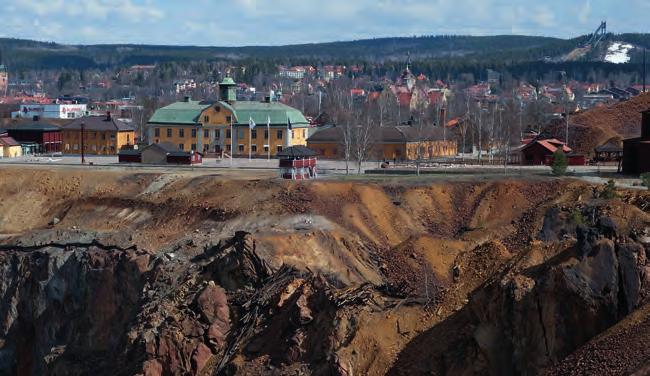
{"x": 540, "y": 152}
{"x": 297, "y": 163}
{"x": 44, "y": 134}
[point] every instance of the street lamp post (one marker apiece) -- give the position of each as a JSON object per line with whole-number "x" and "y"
{"x": 83, "y": 156}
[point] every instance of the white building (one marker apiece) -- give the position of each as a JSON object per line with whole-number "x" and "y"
{"x": 51, "y": 111}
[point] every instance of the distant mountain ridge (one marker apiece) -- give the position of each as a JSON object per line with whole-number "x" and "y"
{"x": 28, "y": 54}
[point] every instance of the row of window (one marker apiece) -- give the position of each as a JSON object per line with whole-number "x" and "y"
{"x": 241, "y": 148}
{"x": 206, "y": 133}
{"x": 206, "y": 118}
{"x": 181, "y": 132}
{"x": 90, "y": 147}
{"x": 94, "y": 135}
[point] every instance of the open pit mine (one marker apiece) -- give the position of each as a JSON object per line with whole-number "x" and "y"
{"x": 125, "y": 273}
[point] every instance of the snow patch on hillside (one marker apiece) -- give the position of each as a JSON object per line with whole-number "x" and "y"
{"x": 618, "y": 53}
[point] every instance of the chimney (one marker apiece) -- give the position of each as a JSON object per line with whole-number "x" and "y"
{"x": 187, "y": 99}
{"x": 645, "y": 125}
{"x": 108, "y": 116}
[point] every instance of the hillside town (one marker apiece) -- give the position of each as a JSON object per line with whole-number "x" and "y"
{"x": 338, "y": 112}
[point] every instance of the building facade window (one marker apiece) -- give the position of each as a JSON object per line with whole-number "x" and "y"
{"x": 169, "y": 132}
{"x": 228, "y": 133}
{"x": 240, "y": 134}
{"x": 156, "y": 132}
{"x": 217, "y": 134}
{"x": 241, "y": 147}
{"x": 279, "y": 134}
{"x": 206, "y": 119}
{"x": 206, "y": 133}
{"x": 193, "y": 146}
{"x": 254, "y": 148}
{"x": 228, "y": 119}
{"x": 266, "y": 148}
{"x": 193, "y": 133}
{"x": 181, "y": 133}
{"x": 181, "y": 146}
{"x": 278, "y": 148}
{"x": 266, "y": 134}
{"x": 254, "y": 134}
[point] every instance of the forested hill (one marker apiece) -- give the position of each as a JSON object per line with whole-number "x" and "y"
{"x": 26, "y": 54}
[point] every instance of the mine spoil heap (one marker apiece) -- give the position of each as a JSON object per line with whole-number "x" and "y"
{"x": 111, "y": 273}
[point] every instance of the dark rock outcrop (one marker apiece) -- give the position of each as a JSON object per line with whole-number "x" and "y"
{"x": 527, "y": 320}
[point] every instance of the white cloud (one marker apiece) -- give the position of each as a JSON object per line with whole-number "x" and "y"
{"x": 543, "y": 16}
{"x": 273, "y": 22}
{"x": 584, "y": 13}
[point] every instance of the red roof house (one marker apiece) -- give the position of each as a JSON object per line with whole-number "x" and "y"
{"x": 538, "y": 152}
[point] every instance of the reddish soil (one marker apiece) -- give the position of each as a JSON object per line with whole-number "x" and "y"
{"x": 596, "y": 126}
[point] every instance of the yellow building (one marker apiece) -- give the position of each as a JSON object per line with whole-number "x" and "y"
{"x": 389, "y": 143}
{"x": 225, "y": 126}
{"x": 9, "y": 148}
{"x": 102, "y": 135}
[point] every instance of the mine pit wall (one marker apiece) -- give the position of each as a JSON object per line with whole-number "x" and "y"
{"x": 526, "y": 319}
{"x": 204, "y": 301}
{"x": 66, "y": 302}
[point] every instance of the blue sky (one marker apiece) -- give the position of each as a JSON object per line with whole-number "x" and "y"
{"x": 274, "y": 22}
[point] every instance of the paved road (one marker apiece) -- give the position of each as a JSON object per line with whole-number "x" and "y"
{"x": 268, "y": 168}
{"x": 324, "y": 166}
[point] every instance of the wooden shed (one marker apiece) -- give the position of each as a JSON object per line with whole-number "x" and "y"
{"x": 298, "y": 163}
{"x": 129, "y": 155}
{"x": 165, "y": 153}
{"x": 611, "y": 151}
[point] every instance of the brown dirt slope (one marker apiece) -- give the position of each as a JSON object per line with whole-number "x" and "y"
{"x": 205, "y": 274}
{"x": 596, "y": 126}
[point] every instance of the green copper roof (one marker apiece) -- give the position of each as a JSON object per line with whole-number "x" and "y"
{"x": 180, "y": 113}
{"x": 261, "y": 111}
{"x": 228, "y": 81}
{"x": 190, "y": 113}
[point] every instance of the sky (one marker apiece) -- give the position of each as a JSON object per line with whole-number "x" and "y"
{"x": 278, "y": 22}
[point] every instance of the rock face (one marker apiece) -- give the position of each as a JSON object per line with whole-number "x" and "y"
{"x": 57, "y": 302}
{"x": 69, "y": 310}
{"x": 528, "y": 319}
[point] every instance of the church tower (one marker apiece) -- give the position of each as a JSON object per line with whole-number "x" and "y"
{"x": 407, "y": 77}
{"x": 4, "y": 78}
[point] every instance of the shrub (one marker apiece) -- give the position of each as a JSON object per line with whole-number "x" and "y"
{"x": 645, "y": 178}
{"x": 609, "y": 191}
{"x": 560, "y": 163}
{"x": 577, "y": 217}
